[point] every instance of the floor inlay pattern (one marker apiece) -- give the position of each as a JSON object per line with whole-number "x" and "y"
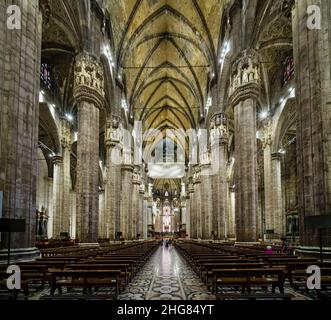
{"x": 166, "y": 276}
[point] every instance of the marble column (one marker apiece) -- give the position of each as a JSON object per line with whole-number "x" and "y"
{"x": 62, "y": 184}
{"x": 231, "y": 230}
{"x": 113, "y": 177}
{"x": 244, "y": 90}
{"x": 50, "y": 207}
{"x": 141, "y": 214}
{"x": 274, "y": 215}
{"x": 219, "y": 142}
{"x": 57, "y": 195}
{"x": 103, "y": 230}
{"x": 206, "y": 202}
{"x": 312, "y": 60}
{"x": 135, "y": 203}
{"x": 146, "y": 214}
{"x": 197, "y": 203}
{"x": 89, "y": 95}
{"x": 188, "y": 216}
{"x": 193, "y": 226}
{"x": 19, "y": 109}
{"x": 126, "y": 198}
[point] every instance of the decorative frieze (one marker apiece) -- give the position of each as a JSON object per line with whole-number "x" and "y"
{"x": 88, "y": 80}
{"x": 245, "y": 77}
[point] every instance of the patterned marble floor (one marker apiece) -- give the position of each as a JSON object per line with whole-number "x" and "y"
{"x": 166, "y": 276}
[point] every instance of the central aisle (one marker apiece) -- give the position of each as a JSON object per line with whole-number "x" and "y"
{"x": 166, "y": 276}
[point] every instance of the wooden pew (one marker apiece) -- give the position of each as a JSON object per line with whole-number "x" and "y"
{"x": 207, "y": 271}
{"x": 254, "y": 296}
{"x": 246, "y": 278}
{"x": 85, "y": 279}
{"x": 126, "y": 271}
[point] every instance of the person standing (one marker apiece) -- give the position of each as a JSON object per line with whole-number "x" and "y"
{"x": 284, "y": 248}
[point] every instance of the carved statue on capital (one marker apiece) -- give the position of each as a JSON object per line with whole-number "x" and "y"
{"x": 88, "y": 80}
{"x": 219, "y": 128}
{"x": 113, "y": 130}
{"x": 65, "y": 136}
{"x": 267, "y": 134}
{"x": 245, "y": 72}
{"x": 196, "y": 176}
{"x": 136, "y": 177}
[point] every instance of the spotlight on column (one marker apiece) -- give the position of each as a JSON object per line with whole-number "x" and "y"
{"x": 264, "y": 115}
{"x": 41, "y": 96}
{"x": 51, "y": 155}
{"x": 69, "y": 117}
{"x": 282, "y": 151}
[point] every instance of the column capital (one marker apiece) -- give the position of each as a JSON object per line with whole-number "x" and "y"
{"x": 142, "y": 189}
{"x": 276, "y": 156}
{"x": 190, "y": 188}
{"x": 219, "y": 133}
{"x": 57, "y": 159}
{"x": 127, "y": 167}
{"x": 136, "y": 178}
{"x": 245, "y": 77}
{"x": 205, "y": 166}
{"x": 267, "y": 134}
{"x": 113, "y": 131}
{"x": 88, "y": 80}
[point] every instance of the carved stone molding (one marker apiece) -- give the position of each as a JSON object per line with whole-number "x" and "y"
{"x": 142, "y": 188}
{"x": 190, "y": 188}
{"x": 88, "y": 80}
{"x": 113, "y": 131}
{"x": 219, "y": 132}
{"x": 267, "y": 134}
{"x": 276, "y": 156}
{"x": 57, "y": 160}
{"x": 245, "y": 77}
{"x": 197, "y": 176}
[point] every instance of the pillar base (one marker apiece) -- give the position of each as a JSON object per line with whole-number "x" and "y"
{"x": 19, "y": 254}
{"x": 239, "y": 243}
{"x": 313, "y": 252}
{"x": 88, "y": 244}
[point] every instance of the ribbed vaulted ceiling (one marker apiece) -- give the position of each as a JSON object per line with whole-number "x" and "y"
{"x": 167, "y": 51}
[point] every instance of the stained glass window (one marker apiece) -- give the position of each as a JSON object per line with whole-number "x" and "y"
{"x": 288, "y": 70}
{"x": 45, "y": 74}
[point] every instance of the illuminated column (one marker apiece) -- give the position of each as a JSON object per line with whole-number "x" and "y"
{"x": 89, "y": 94}
{"x": 57, "y": 195}
{"x": 244, "y": 92}
{"x": 141, "y": 214}
{"x": 206, "y": 202}
{"x": 197, "y": 203}
{"x": 19, "y": 117}
{"x": 219, "y": 143}
{"x": 193, "y": 226}
{"x": 274, "y": 217}
{"x": 113, "y": 177}
{"x": 126, "y": 194}
{"x": 231, "y": 230}
{"x": 103, "y": 232}
{"x": 312, "y": 60}
{"x": 61, "y": 185}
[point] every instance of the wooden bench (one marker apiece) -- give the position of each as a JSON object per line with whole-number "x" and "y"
{"x": 254, "y": 296}
{"x": 126, "y": 268}
{"x": 85, "y": 279}
{"x": 79, "y": 297}
{"x": 246, "y": 278}
{"x": 207, "y": 270}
